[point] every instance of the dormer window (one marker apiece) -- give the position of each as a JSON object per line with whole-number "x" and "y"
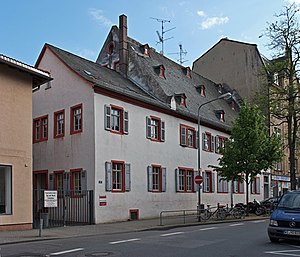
{"x": 232, "y": 105}
{"x": 160, "y": 70}
{"x": 183, "y": 100}
{"x": 145, "y": 50}
{"x": 187, "y": 72}
{"x": 180, "y": 99}
{"x": 202, "y": 90}
{"x": 220, "y": 88}
{"x": 220, "y": 115}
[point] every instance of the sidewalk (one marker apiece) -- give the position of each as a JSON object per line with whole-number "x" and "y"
{"x": 7, "y": 237}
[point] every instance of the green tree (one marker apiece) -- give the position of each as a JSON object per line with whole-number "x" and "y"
{"x": 250, "y": 150}
{"x": 283, "y": 88}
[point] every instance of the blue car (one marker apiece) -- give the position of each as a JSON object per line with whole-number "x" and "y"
{"x": 285, "y": 219}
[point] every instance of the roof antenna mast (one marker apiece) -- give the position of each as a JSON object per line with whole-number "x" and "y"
{"x": 161, "y": 36}
{"x": 181, "y": 53}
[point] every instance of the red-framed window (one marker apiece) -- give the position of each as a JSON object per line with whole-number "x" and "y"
{"x": 116, "y": 119}
{"x": 183, "y": 100}
{"x": 117, "y": 176}
{"x": 220, "y": 143}
{"x": 208, "y": 142}
{"x": 185, "y": 180}
{"x": 239, "y": 186}
{"x": 58, "y": 180}
{"x": 155, "y": 129}
{"x": 255, "y": 186}
{"x": 202, "y": 90}
{"x": 156, "y": 178}
{"x": 208, "y": 181}
{"x": 222, "y": 185}
{"x": 76, "y": 113}
{"x": 162, "y": 71}
{"x": 59, "y": 124}
{"x": 40, "y": 129}
{"x": 188, "y": 136}
{"x": 75, "y": 181}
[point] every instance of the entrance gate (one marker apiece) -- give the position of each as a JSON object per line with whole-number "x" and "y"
{"x": 73, "y": 208}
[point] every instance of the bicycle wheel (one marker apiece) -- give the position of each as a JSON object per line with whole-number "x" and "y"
{"x": 221, "y": 214}
{"x": 236, "y": 213}
{"x": 205, "y": 215}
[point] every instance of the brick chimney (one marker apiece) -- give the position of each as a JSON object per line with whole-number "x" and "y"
{"x": 123, "y": 45}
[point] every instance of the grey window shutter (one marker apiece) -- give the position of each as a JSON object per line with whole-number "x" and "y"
{"x": 51, "y": 181}
{"x": 177, "y": 180}
{"x": 107, "y": 117}
{"x": 108, "y": 176}
{"x": 150, "y": 181}
{"x": 66, "y": 182}
{"x": 127, "y": 177}
{"x": 257, "y": 185}
{"x": 126, "y": 123}
{"x": 183, "y": 136}
{"x": 217, "y": 141}
{"x": 148, "y": 127}
{"x": 212, "y": 143}
{"x": 213, "y": 182}
{"x": 164, "y": 179}
{"x": 220, "y": 180}
{"x": 162, "y": 131}
{"x": 235, "y": 186}
{"x": 203, "y": 141}
{"x": 204, "y": 182}
{"x": 83, "y": 180}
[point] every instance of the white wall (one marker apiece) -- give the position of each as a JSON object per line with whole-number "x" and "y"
{"x": 71, "y": 151}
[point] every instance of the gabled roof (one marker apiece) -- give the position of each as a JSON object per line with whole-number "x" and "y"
{"x": 176, "y": 82}
{"x": 244, "y": 44}
{"x": 39, "y": 77}
{"x": 99, "y": 77}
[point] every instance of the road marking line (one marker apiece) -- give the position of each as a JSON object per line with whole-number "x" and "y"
{"x": 258, "y": 221}
{"x": 172, "y": 234}
{"x": 68, "y": 251}
{"x": 236, "y": 224}
{"x": 203, "y": 229}
{"x": 285, "y": 252}
{"x": 124, "y": 241}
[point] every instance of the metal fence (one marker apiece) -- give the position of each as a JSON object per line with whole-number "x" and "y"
{"x": 73, "y": 208}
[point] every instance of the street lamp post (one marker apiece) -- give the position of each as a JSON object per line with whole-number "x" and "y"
{"x": 226, "y": 95}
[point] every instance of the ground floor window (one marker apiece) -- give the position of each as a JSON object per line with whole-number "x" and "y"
{"x": 5, "y": 189}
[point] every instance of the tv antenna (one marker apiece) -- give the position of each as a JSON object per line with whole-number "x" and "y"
{"x": 181, "y": 53}
{"x": 161, "y": 36}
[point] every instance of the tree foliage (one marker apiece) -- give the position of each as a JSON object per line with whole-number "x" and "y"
{"x": 250, "y": 150}
{"x": 283, "y": 88}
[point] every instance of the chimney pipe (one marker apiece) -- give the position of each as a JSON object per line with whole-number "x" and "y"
{"x": 123, "y": 45}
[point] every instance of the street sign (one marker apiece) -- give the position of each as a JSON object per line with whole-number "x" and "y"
{"x": 198, "y": 179}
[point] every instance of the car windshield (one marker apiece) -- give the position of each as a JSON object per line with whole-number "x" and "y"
{"x": 290, "y": 201}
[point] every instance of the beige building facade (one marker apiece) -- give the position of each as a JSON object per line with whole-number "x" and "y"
{"x": 17, "y": 81}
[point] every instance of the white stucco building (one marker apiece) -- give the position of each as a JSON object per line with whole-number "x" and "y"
{"x": 125, "y": 127}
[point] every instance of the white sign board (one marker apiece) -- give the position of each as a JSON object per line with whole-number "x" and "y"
{"x": 50, "y": 199}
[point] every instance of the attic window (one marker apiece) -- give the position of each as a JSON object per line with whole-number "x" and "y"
{"x": 180, "y": 99}
{"x": 220, "y": 88}
{"x": 183, "y": 100}
{"x": 145, "y": 50}
{"x": 202, "y": 90}
{"x": 160, "y": 70}
{"x": 220, "y": 115}
{"x": 187, "y": 72}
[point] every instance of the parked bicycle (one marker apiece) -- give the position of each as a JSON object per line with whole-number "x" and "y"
{"x": 217, "y": 212}
{"x": 236, "y": 212}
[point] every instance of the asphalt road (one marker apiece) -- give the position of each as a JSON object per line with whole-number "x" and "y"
{"x": 241, "y": 239}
